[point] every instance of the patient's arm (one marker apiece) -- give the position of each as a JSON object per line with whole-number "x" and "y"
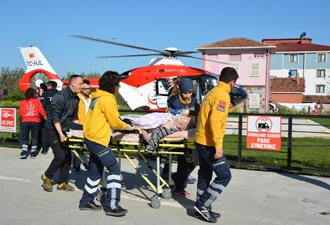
{"x": 146, "y": 135}
{"x": 169, "y": 124}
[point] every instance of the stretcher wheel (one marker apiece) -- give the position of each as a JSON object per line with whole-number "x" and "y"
{"x": 155, "y": 202}
{"x": 166, "y": 193}
{"x": 190, "y": 158}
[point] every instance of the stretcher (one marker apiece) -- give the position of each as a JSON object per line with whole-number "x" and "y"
{"x": 126, "y": 144}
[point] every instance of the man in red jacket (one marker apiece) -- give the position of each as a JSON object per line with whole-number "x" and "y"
{"x": 29, "y": 110}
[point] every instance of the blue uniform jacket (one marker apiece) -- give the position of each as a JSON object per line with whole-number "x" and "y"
{"x": 175, "y": 103}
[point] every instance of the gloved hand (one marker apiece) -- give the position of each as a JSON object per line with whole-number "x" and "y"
{"x": 175, "y": 112}
{"x": 129, "y": 127}
{"x": 184, "y": 112}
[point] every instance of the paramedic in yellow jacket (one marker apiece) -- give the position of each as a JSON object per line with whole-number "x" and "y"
{"x": 209, "y": 135}
{"x": 84, "y": 101}
{"x": 102, "y": 116}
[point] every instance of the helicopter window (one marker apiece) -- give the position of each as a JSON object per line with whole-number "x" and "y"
{"x": 208, "y": 84}
{"x": 162, "y": 87}
{"x": 195, "y": 87}
{"x": 125, "y": 75}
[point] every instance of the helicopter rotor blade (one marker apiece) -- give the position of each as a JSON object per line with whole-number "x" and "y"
{"x": 120, "y": 44}
{"x": 210, "y": 60}
{"x": 119, "y": 56}
{"x": 185, "y": 53}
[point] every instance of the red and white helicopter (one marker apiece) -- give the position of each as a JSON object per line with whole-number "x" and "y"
{"x": 141, "y": 87}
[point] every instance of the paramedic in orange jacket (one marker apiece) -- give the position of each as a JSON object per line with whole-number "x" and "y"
{"x": 209, "y": 135}
{"x": 29, "y": 110}
{"x": 102, "y": 116}
{"x": 85, "y": 100}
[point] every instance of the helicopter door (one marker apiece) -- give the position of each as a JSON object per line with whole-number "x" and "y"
{"x": 161, "y": 93}
{"x": 207, "y": 83}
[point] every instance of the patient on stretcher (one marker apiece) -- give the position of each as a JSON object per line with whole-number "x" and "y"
{"x": 151, "y": 121}
{"x": 154, "y": 126}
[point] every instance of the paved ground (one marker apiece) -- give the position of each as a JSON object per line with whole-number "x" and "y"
{"x": 252, "y": 198}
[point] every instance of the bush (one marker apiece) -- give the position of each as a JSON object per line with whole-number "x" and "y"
{"x": 285, "y": 110}
{"x": 10, "y": 103}
{"x": 17, "y": 96}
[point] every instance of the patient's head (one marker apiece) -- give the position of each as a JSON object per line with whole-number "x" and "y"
{"x": 184, "y": 123}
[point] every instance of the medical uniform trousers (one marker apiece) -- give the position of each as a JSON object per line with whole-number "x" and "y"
{"x": 208, "y": 192}
{"x": 100, "y": 157}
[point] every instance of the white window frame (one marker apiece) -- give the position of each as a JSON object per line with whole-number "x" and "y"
{"x": 317, "y": 73}
{"x": 254, "y": 70}
{"x": 293, "y": 60}
{"x": 325, "y": 57}
{"x": 254, "y": 101}
{"x": 317, "y": 87}
{"x": 235, "y": 65}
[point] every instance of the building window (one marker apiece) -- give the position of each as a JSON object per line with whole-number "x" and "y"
{"x": 235, "y": 66}
{"x": 319, "y": 88}
{"x": 234, "y": 58}
{"x": 320, "y": 73}
{"x": 294, "y": 58}
{"x": 322, "y": 57}
{"x": 254, "y": 101}
{"x": 212, "y": 56}
{"x": 293, "y": 73}
{"x": 254, "y": 72}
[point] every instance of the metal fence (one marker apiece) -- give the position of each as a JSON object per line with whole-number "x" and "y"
{"x": 305, "y": 145}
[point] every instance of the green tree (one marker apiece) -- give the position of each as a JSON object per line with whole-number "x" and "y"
{"x": 9, "y": 80}
{"x": 67, "y": 77}
{"x": 94, "y": 74}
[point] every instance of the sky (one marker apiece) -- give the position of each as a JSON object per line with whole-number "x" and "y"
{"x": 183, "y": 24}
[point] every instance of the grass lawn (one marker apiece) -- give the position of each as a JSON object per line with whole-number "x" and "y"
{"x": 306, "y": 152}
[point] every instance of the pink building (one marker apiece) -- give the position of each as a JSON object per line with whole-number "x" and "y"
{"x": 251, "y": 59}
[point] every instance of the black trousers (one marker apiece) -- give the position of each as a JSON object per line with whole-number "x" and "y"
{"x": 180, "y": 177}
{"x": 62, "y": 157}
{"x": 76, "y": 160}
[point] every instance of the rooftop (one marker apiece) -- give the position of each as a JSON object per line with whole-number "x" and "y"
{"x": 296, "y": 45}
{"x": 316, "y": 98}
{"x": 236, "y": 43}
{"x": 287, "y": 84}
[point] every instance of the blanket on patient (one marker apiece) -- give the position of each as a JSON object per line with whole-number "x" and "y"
{"x": 149, "y": 121}
{"x": 156, "y": 135}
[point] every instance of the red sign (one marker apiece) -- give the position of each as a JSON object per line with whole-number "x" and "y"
{"x": 8, "y": 120}
{"x": 264, "y": 132}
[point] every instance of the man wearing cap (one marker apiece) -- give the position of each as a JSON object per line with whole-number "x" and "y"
{"x": 189, "y": 105}
{"x": 209, "y": 135}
